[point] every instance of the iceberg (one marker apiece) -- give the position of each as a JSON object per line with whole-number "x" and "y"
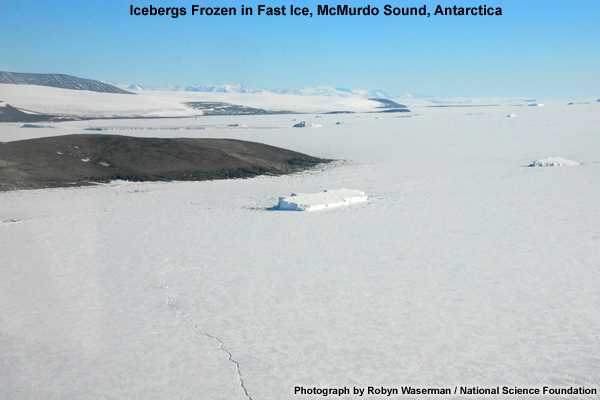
{"x": 305, "y": 124}
{"x": 552, "y": 162}
{"x": 320, "y": 201}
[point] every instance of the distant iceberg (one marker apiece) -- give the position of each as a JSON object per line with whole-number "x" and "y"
{"x": 552, "y": 162}
{"x": 305, "y": 124}
{"x": 320, "y": 201}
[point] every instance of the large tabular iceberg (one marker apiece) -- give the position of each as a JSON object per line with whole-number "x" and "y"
{"x": 552, "y": 162}
{"x": 319, "y": 201}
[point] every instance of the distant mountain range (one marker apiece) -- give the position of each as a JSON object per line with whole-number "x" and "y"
{"x": 59, "y": 81}
{"x": 307, "y": 91}
{"x": 74, "y": 83}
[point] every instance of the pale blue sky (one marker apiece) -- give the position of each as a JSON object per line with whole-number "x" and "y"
{"x": 536, "y": 49}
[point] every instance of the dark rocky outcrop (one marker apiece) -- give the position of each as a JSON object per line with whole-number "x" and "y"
{"x": 215, "y": 108}
{"x": 79, "y": 160}
{"x": 10, "y": 114}
{"x": 389, "y": 106}
{"x": 385, "y": 103}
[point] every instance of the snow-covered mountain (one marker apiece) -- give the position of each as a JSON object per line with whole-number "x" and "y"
{"x": 331, "y": 91}
{"x": 75, "y": 83}
{"x": 220, "y": 89}
{"x": 60, "y": 81}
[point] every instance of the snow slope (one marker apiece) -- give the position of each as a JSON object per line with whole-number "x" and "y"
{"x": 51, "y": 100}
{"x": 464, "y": 268}
{"x": 59, "y": 81}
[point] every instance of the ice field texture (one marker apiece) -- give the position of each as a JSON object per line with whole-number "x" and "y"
{"x": 463, "y": 268}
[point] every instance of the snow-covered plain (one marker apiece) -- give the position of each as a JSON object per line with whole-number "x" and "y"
{"x": 50, "y": 100}
{"x": 464, "y": 268}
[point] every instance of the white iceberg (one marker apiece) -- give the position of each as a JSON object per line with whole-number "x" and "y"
{"x": 305, "y": 124}
{"x": 536, "y": 105}
{"x": 319, "y": 201}
{"x": 552, "y": 162}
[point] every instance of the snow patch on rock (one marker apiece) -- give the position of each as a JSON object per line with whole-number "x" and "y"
{"x": 552, "y": 162}
{"x": 319, "y": 201}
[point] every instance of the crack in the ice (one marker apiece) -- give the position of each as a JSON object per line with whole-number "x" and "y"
{"x": 187, "y": 316}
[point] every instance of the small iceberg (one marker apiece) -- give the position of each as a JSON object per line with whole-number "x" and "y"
{"x": 536, "y": 105}
{"x": 511, "y": 115}
{"x": 305, "y": 124}
{"x": 552, "y": 162}
{"x": 320, "y": 201}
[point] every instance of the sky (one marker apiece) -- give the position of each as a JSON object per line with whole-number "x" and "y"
{"x": 535, "y": 49}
